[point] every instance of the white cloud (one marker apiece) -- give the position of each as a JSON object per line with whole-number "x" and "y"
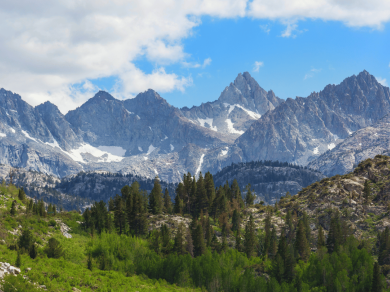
{"x": 206, "y": 62}
{"x": 49, "y": 48}
{"x": 257, "y": 65}
{"x": 311, "y": 73}
{"x": 354, "y": 13}
{"x": 382, "y": 81}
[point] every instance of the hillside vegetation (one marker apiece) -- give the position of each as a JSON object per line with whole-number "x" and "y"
{"x": 331, "y": 236}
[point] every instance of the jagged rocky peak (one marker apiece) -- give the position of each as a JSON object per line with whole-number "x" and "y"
{"x": 245, "y": 91}
{"x": 302, "y": 129}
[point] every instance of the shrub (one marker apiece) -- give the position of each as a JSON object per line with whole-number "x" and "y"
{"x": 53, "y": 223}
{"x": 53, "y": 249}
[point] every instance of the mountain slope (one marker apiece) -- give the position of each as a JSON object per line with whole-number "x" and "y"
{"x": 364, "y": 143}
{"x": 300, "y": 130}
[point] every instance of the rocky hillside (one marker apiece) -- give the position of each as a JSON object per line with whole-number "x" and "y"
{"x": 365, "y": 215}
{"x": 364, "y": 143}
{"x": 270, "y": 180}
{"x": 301, "y": 129}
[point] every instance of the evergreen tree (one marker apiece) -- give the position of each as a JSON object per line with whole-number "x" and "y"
{"x": 224, "y": 224}
{"x": 189, "y": 245}
{"x": 249, "y": 198}
{"x": 53, "y": 249}
{"x": 89, "y": 262}
{"x": 210, "y": 188}
{"x": 179, "y": 245}
{"x": 278, "y": 268}
{"x": 321, "y": 238}
{"x": 250, "y": 238}
{"x": 199, "y": 246}
{"x": 18, "y": 262}
{"x": 167, "y": 202}
{"x": 301, "y": 244}
{"x": 289, "y": 265}
{"x": 334, "y": 235}
{"x": 119, "y": 214}
{"x": 236, "y": 220}
{"x": 215, "y": 246}
{"x": 238, "y": 240}
{"x": 156, "y": 202}
{"x": 25, "y": 240}
{"x": 273, "y": 243}
{"x": 202, "y": 202}
{"x": 209, "y": 231}
{"x": 165, "y": 239}
{"x": 376, "y": 279}
{"x": 111, "y": 205}
{"x": 13, "y": 208}
{"x": 33, "y": 251}
{"x": 21, "y": 194}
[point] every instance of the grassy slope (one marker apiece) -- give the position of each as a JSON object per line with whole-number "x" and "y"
{"x": 69, "y": 271}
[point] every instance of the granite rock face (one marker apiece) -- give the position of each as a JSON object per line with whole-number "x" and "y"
{"x": 361, "y": 145}
{"x": 302, "y": 129}
{"x": 239, "y": 105}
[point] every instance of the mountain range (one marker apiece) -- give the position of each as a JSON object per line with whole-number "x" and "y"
{"x": 146, "y": 136}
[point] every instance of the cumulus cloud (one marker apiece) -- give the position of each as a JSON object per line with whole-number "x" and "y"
{"x": 257, "y": 65}
{"x": 49, "y": 48}
{"x": 382, "y": 81}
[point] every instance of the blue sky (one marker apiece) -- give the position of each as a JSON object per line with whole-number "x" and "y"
{"x": 321, "y": 53}
{"x": 187, "y": 50}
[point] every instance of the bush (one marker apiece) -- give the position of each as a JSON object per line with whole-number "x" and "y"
{"x": 53, "y": 223}
{"x": 53, "y": 249}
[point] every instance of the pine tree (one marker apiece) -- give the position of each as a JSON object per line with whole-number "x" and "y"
{"x": 111, "y": 205}
{"x": 238, "y": 240}
{"x": 18, "y": 262}
{"x": 165, "y": 239}
{"x": 202, "y": 202}
{"x": 278, "y": 268}
{"x": 215, "y": 246}
{"x": 33, "y": 251}
{"x": 250, "y": 238}
{"x": 189, "y": 245}
{"x": 249, "y": 198}
{"x": 199, "y": 246}
{"x": 301, "y": 244}
{"x": 289, "y": 264}
{"x": 273, "y": 243}
{"x": 236, "y": 220}
{"x": 119, "y": 214}
{"x": 210, "y": 188}
{"x": 21, "y": 194}
{"x": 179, "y": 246}
{"x": 13, "y": 208}
{"x": 334, "y": 235}
{"x": 156, "y": 202}
{"x": 167, "y": 202}
{"x": 321, "y": 238}
{"x": 89, "y": 262}
{"x": 209, "y": 231}
{"x": 376, "y": 279}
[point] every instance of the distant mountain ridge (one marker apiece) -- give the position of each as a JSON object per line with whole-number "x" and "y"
{"x": 146, "y": 136}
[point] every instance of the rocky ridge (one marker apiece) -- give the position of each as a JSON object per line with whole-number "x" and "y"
{"x": 361, "y": 145}
{"x": 301, "y": 129}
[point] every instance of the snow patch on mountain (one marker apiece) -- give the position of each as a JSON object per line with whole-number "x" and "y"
{"x": 3, "y": 135}
{"x": 331, "y": 146}
{"x": 75, "y": 154}
{"x": 252, "y": 114}
{"x": 208, "y": 121}
{"x": 172, "y": 147}
{"x": 231, "y": 129}
{"x": 114, "y": 150}
{"x": 28, "y": 136}
{"x": 315, "y": 151}
{"x": 200, "y": 164}
{"x": 151, "y": 149}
